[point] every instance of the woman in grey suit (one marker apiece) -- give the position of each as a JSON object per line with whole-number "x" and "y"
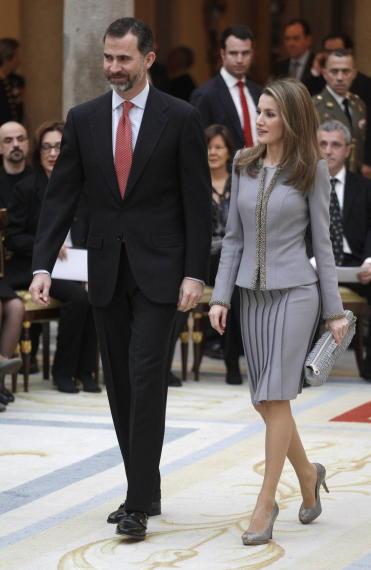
{"x": 278, "y": 187}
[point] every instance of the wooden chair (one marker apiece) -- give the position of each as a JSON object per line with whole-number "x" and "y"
{"x": 36, "y": 314}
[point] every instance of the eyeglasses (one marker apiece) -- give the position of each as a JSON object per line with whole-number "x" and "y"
{"x": 47, "y": 147}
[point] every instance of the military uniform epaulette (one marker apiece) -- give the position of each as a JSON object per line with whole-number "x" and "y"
{"x": 353, "y": 97}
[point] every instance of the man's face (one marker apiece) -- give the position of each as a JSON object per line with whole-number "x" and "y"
{"x": 334, "y": 149}
{"x": 295, "y": 41}
{"x": 339, "y": 73}
{"x": 13, "y": 142}
{"x": 124, "y": 67}
{"x": 237, "y": 56}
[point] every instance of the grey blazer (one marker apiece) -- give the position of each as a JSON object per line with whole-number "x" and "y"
{"x": 282, "y": 260}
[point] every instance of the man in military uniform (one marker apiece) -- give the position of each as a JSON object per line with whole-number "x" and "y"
{"x": 337, "y": 102}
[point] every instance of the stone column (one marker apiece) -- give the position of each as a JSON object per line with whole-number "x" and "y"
{"x": 362, "y": 34}
{"x": 84, "y": 26}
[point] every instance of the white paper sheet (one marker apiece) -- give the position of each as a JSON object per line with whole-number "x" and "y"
{"x": 345, "y": 274}
{"x": 74, "y": 267}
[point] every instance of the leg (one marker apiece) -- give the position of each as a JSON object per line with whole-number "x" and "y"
{"x": 11, "y": 326}
{"x": 71, "y": 340}
{"x": 304, "y": 469}
{"x": 279, "y": 428}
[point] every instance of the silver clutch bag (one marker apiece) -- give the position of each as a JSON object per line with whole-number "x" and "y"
{"x": 322, "y": 358}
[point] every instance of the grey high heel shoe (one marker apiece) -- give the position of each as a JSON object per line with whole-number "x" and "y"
{"x": 307, "y": 516}
{"x": 255, "y": 538}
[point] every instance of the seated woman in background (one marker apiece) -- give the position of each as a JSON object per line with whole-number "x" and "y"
{"x": 220, "y": 149}
{"x": 76, "y": 348}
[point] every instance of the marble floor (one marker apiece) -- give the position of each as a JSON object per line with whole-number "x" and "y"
{"x": 61, "y": 473}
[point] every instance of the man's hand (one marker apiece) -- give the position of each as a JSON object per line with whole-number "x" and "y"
{"x": 39, "y": 288}
{"x": 62, "y": 255}
{"x": 190, "y": 293}
{"x": 218, "y": 318}
{"x": 364, "y": 276}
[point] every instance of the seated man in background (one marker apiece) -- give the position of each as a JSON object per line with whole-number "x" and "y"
{"x": 14, "y": 148}
{"x": 350, "y": 214}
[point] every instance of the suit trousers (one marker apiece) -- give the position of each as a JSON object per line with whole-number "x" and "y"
{"x": 134, "y": 336}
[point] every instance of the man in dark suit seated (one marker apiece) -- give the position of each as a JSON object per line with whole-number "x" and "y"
{"x": 350, "y": 214}
{"x": 297, "y": 39}
{"x": 230, "y": 98}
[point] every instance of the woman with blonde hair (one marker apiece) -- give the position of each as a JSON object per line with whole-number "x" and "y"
{"x": 278, "y": 187}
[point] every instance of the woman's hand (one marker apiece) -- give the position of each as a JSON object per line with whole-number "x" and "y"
{"x": 338, "y": 327}
{"x": 218, "y": 318}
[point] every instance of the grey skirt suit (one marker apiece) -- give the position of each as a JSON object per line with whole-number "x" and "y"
{"x": 282, "y": 295}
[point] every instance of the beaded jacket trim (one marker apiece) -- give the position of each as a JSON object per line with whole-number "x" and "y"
{"x": 260, "y": 275}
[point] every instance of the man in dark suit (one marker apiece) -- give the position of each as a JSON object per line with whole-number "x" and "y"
{"x": 230, "y": 98}
{"x": 148, "y": 243}
{"x": 350, "y": 213}
{"x": 297, "y": 39}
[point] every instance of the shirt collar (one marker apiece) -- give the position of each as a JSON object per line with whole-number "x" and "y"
{"x": 338, "y": 98}
{"x": 230, "y": 79}
{"x": 340, "y": 176}
{"x": 139, "y": 100}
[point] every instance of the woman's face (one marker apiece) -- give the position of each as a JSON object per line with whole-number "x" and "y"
{"x": 218, "y": 153}
{"x": 49, "y": 150}
{"x": 269, "y": 122}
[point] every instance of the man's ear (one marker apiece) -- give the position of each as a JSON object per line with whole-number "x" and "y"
{"x": 149, "y": 59}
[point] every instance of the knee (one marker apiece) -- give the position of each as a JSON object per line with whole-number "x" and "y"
{"x": 14, "y": 309}
{"x": 274, "y": 407}
{"x": 260, "y": 408}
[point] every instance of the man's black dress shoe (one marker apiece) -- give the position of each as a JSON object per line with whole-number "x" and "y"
{"x": 173, "y": 380}
{"x": 66, "y": 385}
{"x": 133, "y": 524}
{"x": 8, "y": 394}
{"x": 233, "y": 375}
{"x": 89, "y": 384}
{"x": 116, "y": 516}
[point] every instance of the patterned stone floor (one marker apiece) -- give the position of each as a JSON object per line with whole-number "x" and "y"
{"x": 61, "y": 473}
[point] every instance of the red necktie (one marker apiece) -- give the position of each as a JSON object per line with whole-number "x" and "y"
{"x": 245, "y": 115}
{"x": 123, "y": 148}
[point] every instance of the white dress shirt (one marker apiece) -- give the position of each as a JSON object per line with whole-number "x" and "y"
{"x": 340, "y": 189}
{"x": 135, "y": 114}
{"x": 234, "y": 90}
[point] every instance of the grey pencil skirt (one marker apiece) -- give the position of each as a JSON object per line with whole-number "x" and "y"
{"x": 278, "y": 327}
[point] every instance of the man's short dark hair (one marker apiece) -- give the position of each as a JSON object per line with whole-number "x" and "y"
{"x": 303, "y": 23}
{"x": 347, "y": 41}
{"x": 342, "y": 53}
{"x": 240, "y": 32}
{"x": 119, "y": 28}
{"x": 8, "y": 48}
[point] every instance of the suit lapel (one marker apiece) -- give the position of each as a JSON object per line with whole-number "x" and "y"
{"x": 229, "y": 106}
{"x": 101, "y": 132}
{"x": 153, "y": 122}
